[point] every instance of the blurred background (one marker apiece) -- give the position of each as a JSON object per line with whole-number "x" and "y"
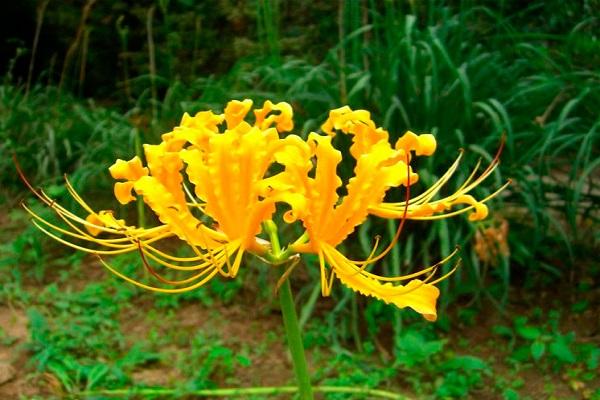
{"x": 85, "y": 82}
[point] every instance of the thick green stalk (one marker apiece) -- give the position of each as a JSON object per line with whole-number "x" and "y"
{"x": 290, "y": 319}
{"x": 292, "y": 330}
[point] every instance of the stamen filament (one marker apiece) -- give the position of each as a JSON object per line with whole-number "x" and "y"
{"x": 157, "y": 289}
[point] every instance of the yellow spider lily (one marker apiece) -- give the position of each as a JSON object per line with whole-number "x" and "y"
{"x": 379, "y": 166}
{"x": 226, "y": 169}
{"x": 228, "y": 160}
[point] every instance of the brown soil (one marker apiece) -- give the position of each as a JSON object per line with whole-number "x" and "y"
{"x": 13, "y": 378}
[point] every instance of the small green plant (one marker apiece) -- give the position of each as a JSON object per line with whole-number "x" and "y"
{"x": 208, "y": 361}
{"x": 544, "y": 343}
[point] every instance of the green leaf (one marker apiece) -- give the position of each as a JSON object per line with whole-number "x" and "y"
{"x": 593, "y": 359}
{"x": 95, "y": 375}
{"x": 528, "y": 332}
{"x": 465, "y": 363}
{"x": 561, "y": 350}
{"x": 502, "y": 330}
{"x": 243, "y": 361}
{"x": 580, "y": 306}
{"x": 510, "y": 394}
{"x": 521, "y": 353}
{"x": 537, "y": 350}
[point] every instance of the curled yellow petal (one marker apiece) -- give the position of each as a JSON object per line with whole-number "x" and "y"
{"x": 236, "y": 111}
{"x": 283, "y": 121}
{"x": 344, "y": 119}
{"x": 123, "y": 192}
{"x": 131, "y": 170}
{"x": 203, "y": 120}
{"x": 422, "y": 145}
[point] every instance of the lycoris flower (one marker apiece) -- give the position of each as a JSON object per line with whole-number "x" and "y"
{"x": 329, "y": 219}
{"x": 228, "y": 161}
{"x": 226, "y": 169}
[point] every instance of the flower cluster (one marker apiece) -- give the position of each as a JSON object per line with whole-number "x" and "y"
{"x": 216, "y": 179}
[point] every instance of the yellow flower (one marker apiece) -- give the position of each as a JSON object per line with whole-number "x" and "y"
{"x": 329, "y": 219}
{"x": 228, "y": 161}
{"x": 226, "y": 169}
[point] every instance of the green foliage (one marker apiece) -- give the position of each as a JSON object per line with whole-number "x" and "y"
{"x": 209, "y": 359}
{"x": 83, "y": 331}
{"x": 453, "y": 376}
{"x": 52, "y": 134}
{"x": 357, "y": 373}
{"x": 545, "y": 344}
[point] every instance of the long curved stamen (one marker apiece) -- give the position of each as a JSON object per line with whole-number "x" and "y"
{"x": 78, "y": 198}
{"x": 465, "y": 209}
{"x": 159, "y": 277}
{"x": 88, "y": 237}
{"x": 287, "y": 273}
{"x": 445, "y": 276}
{"x": 174, "y": 258}
{"x": 228, "y": 256}
{"x": 76, "y": 195}
{"x": 157, "y": 289}
{"x": 337, "y": 260}
{"x": 489, "y": 169}
{"x": 26, "y": 181}
{"x": 114, "y": 243}
{"x": 471, "y": 176}
{"x": 368, "y": 261}
{"x": 195, "y": 267}
{"x": 75, "y": 235}
{"x": 427, "y": 199}
{"x": 64, "y": 213}
{"x": 413, "y": 275}
{"x": 199, "y": 253}
{"x": 465, "y": 187}
{"x": 326, "y": 282}
{"x": 435, "y": 188}
{"x": 237, "y": 262}
{"x": 193, "y": 202}
{"x": 87, "y": 250}
{"x": 392, "y": 207}
{"x": 217, "y": 262}
{"x": 484, "y": 175}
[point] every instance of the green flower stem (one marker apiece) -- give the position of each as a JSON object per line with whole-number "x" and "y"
{"x": 292, "y": 329}
{"x": 290, "y": 319}
{"x": 232, "y": 392}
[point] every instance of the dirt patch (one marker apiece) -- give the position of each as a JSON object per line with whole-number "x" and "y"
{"x": 13, "y": 323}
{"x": 165, "y": 376}
{"x": 243, "y": 328}
{"x": 13, "y": 379}
{"x": 270, "y": 361}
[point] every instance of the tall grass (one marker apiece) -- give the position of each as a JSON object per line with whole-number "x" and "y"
{"x": 52, "y": 134}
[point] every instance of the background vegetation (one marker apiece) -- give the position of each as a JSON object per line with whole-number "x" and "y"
{"x": 84, "y": 82}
